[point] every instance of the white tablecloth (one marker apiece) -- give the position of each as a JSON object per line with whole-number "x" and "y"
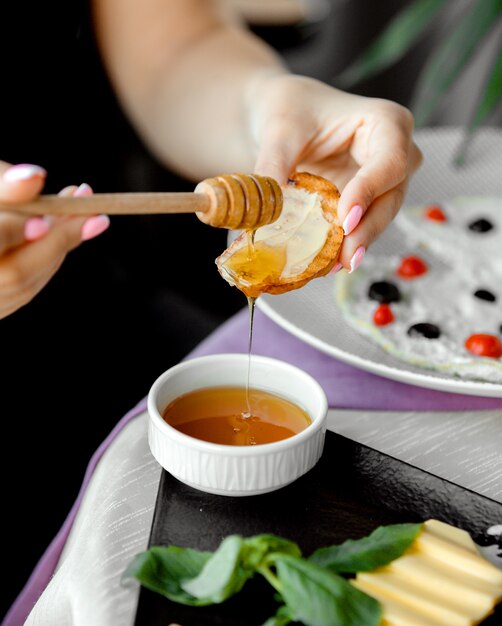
{"x": 112, "y": 525}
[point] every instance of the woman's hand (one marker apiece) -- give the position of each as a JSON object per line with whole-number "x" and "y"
{"x": 33, "y": 248}
{"x": 364, "y": 145}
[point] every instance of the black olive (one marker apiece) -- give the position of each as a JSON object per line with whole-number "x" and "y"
{"x": 480, "y": 226}
{"x": 424, "y": 329}
{"x": 484, "y": 294}
{"x": 384, "y": 292}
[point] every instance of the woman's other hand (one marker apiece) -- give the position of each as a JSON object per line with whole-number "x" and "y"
{"x": 33, "y": 248}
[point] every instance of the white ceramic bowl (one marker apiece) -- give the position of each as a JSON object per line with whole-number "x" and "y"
{"x": 237, "y": 470}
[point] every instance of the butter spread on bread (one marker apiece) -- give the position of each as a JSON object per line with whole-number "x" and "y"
{"x": 302, "y": 244}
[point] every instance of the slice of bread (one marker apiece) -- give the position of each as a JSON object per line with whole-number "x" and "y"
{"x": 270, "y": 253}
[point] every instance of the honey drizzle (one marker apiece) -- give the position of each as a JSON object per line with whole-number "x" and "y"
{"x": 251, "y": 307}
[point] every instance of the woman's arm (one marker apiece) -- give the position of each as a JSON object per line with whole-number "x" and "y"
{"x": 210, "y": 98}
{"x": 182, "y": 70}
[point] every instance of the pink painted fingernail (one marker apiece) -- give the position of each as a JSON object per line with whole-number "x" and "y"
{"x": 94, "y": 226}
{"x": 83, "y": 190}
{"x": 67, "y": 191}
{"x": 336, "y": 268}
{"x": 353, "y": 218}
{"x": 23, "y": 171}
{"x": 35, "y": 228}
{"x": 357, "y": 259}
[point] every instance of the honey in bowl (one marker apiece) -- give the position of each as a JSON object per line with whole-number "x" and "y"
{"x": 236, "y": 417}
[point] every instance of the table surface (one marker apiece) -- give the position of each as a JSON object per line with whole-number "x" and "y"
{"x": 464, "y": 447}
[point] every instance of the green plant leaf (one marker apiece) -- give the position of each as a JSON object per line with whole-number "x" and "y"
{"x": 317, "y": 597}
{"x": 398, "y": 37}
{"x": 256, "y": 549}
{"x": 163, "y": 569}
{"x": 281, "y": 618}
{"x": 446, "y": 62}
{"x": 223, "y": 574}
{"x": 385, "y": 544}
{"x": 492, "y": 94}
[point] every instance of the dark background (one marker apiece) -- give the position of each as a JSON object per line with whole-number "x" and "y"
{"x": 129, "y": 304}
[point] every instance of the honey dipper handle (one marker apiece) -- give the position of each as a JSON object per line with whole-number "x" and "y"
{"x": 114, "y": 204}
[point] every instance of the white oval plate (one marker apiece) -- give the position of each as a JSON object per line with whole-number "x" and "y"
{"x": 311, "y": 313}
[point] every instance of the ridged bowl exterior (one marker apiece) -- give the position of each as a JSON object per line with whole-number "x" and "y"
{"x": 237, "y": 470}
{"x": 232, "y": 474}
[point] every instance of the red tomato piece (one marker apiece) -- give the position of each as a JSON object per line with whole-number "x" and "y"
{"x": 383, "y": 315}
{"x": 411, "y": 267}
{"x": 435, "y": 213}
{"x": 484, "y": 345}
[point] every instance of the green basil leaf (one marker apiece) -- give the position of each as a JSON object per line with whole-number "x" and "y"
{"x": 448, "y": 60}
{"x": 223, "y": 574}
{"x": 256, "y": 549}
{"x": 385, "y": 544}
{"x": 398, "y": 37}
{"x": 163, "y": 569}
{"x": 318, "y": 597}
{"x": 281, "y": 618}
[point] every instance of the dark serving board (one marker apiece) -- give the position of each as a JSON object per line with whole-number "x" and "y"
{"x": 352, "y": 490}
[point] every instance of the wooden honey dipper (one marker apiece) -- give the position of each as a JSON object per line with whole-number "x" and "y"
{"x": 234, "y": 201}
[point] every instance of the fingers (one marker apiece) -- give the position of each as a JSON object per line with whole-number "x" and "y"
{"x": 364, "y": 223}
{"x": 280, "y": 124}
{"x": 374, "y": 222}
{"x": 386, "y": 155}
{"x": 383, "y": 172}
{"x": 17, "y": 229}
{"x": 280, "y": 151}
{"x": 26, "y": 269}
{"x": 20, "y": 183}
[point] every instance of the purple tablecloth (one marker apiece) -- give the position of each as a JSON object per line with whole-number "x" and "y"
{"x": 345, "y": 386}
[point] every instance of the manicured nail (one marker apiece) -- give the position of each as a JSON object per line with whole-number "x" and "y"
{"x": 357, "y": 259}
{"x": 23, "y": 171}
{"x": 353, "y": 218}
{"x": 336, "y": 268}
{"x": 68, "y": 191}
{"x": 94, "y": 226}
{"x": 83, "y": 190}
{"x": 35, "y": 228}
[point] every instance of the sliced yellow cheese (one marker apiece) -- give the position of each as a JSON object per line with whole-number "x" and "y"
{"x": 470, "y": 563}
{"x": 394, "y": 613}
{"x": 441, "y": 580}
{"x": 390, "y": 585}
{"x": 432, "y": 577}
{"x": 451, "y": 533}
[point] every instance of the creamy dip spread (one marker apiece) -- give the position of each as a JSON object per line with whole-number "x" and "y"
{"x": 437, "y": 310}
{"x": 301, "y": 230}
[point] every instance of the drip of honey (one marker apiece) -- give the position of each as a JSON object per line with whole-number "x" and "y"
{"x": 216, "y": 415}
{"x": 249, "y": 266}
{"x": 242, "y": 416}
{"x": 254, "y": 264}
{"x": 251, "y": 307}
